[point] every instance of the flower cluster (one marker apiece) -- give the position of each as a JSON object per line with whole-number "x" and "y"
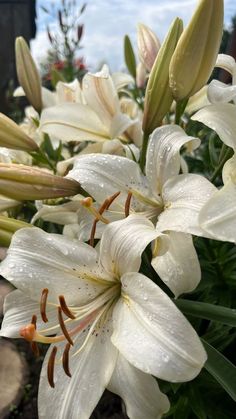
{"x": 102, "y": 166}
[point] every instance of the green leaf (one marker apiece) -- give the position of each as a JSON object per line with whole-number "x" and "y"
{"x": 213, "y": 152}
{"x": 182, "y": 408}
{"x": 221, "y": 369}
{"x": 129, "y": 56}
{"x": 196, "y": 402}
{"x": 207, "y": 311}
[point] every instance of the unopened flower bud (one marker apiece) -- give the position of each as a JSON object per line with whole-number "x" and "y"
{"x": 12, "y": 136}
{"x": 8, "y": 226}
{"x": 28, "y": 75}
{"x": 22, "y": 182}
{"x": 141, "y": 73}
{"x": 158, "y": 97}
{"x": 195, "y": 55}
{"x": 148, "y": 46}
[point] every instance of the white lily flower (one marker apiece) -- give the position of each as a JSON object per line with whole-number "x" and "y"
{"x": 97, "y": 120}
{"x": 117, "y": 320}
{"x": 170, "y": 200}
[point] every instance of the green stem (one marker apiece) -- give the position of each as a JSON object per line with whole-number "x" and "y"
{"x": 143, "y": 153}
{"x": 180, "y": 107}
{"x": 225, "y": 155}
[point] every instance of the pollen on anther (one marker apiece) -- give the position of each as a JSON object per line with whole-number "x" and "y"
{"x": 63, "y": 327}
{"x": 65, "y": 360}
{"x": 51, "y": 364}
{"x": 43, "y": 304}
{"x": 127, "y": 204}
{"x": 65, "y": 307}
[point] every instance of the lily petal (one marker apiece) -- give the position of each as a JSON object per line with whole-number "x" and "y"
{"x": 163, "y": 154}
{"x": 102, "y": 175}
{"x": 179, "y": 267}
{"x": 184, "y": 196}
{"x": 119, "y": 124}
{"x": 218, "y": 216}
{"x": 123, "y": 243}
{"x": 152, "y": 334}
{"x": 100, "y": 94}
{"x": 38, "y": 260}
{"x": 197, "y": 101}
{"x": 140, "y": 391}
{"x": 18, "y": 311}
{"x": 222, "y": 119}
{"x": 91, "y": 369}
{"x": 121, "y": 80}
{"x": 60, "y": 214}
{"x": 226, "y": 62}
{"x": 73, "y": 122}
{"x": 219, "y": 92}
{"x": 228, "y": 168}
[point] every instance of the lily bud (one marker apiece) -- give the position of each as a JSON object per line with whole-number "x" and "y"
{"x": 12, "y": 136}
{"x": 197, "y": 49}
{"x": 158, "y": 97}
{"x": 141, "y": 73}
{"x": 22, "y": 182}
{"x": 28, "y": 75}
{"x": 148, "y": 46}
{"x": 8, "y": 226}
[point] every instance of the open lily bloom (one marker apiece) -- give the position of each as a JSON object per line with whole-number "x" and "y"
{"x": 170, "y": 200}
{"x": 97, "y": 120}
{"x": 113, "y": 325}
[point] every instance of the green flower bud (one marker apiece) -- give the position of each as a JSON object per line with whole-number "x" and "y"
{"x": 158, "y": 97}
{"x": 195, "y": 55}
{"x": 28, "y": 75}
{"x": 22, "y": 182}
{"x": 8, "y": 226}
{"x": 12, "y": 136}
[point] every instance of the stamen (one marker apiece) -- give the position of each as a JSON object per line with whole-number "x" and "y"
{"x": 88, "y": 204}
{"x": 127, "y": 204}
{"x": 29, "y": 333}
{"x": 65, "y": 360}
{"x": 63, "y": 327}
{"x": 43, "y": 304}
{"x": 106, "y": 204}
{"x": 112, "y": 198}
{"x": 65, "y": 307}
{"x": 34, "y": 320}
{"x": 51, "y": 364}
{"x": 35, "y": 348}
{"x": 93, "y": 231}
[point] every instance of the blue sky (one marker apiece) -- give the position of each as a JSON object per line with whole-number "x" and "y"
{"x": 107, "y": 21}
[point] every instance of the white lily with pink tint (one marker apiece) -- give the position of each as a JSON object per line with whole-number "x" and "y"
{"x": 109, "y": 326}
{"x": 98, "y": 118}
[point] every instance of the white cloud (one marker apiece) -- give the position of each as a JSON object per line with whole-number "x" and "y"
{"x": 106, "y": 23}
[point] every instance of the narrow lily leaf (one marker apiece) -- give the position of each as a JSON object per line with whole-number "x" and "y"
{"x": 221, "y": 369}
{"x": 208, "y": 311}
{"x": 129, "y": 56}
